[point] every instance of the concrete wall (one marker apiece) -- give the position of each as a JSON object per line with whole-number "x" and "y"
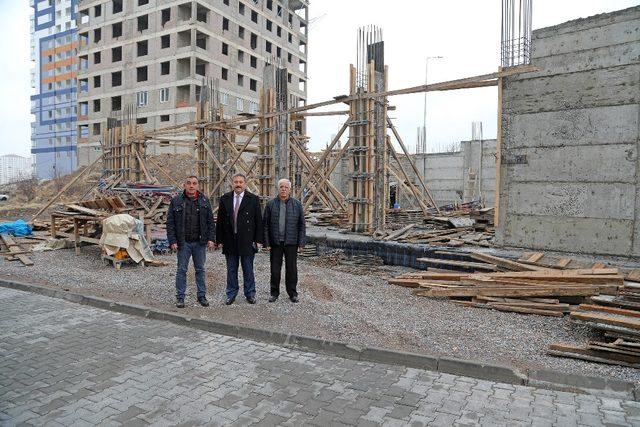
{"x": 451, "y": 177}
{"x": 570, "y": 175}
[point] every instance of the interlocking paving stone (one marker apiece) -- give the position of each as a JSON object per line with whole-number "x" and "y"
{"x": 68, "y": 364}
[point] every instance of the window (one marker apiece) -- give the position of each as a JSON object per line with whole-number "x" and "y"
{"x": 267, "y": 46}
{"x": 165, "y": 41}
{"x": 142, "y": 98}
{"x": 142, "y": 2}
{"x": 269, "y": 25}
{"x": 254, "y": 62}
{"x": 97, "y": 35}
{"x": 141, "y": 121}
{"x": 116, "y": 103}
{"x": 241, "y": 32}
{"x": 226, "y": 2}
{"x": 164, "y": 118}
{"x": 278, "y": 52}
{"x": 253, "y": 85}
{"x": 254, "y": 16}
{"x": 290, "y": 38}
{"x": 289, "y": 57}
{"x": 240, "y": 8}
{"x": 143, "y": 22}
{"x": 116, "y": 79}
{"x": 225, "y": 49}
{"x": 225, "y": 24}
{"x": 117, "y": 6}
{"x": 96, "y": 81}
{"x": 96, "y": 105}
{"x": 116, "y": 54}
{"x": 142, "y": 47}
{"x": 97, "y": 10}
{"x": 225, "y": 74}
{"x": 289, "y": 77}
{"x": 116, "y": 30}
{"x": 240, "y": 56}
{"x": 96, "y": 129}
{"x": 97, "y": 57}
{"x": 279, "y": 31}
{"x": 270, "y": 4}
{"x": 240, "y": 80}
{"x": 141, "y": 74}
{"x": 165, "y": 16}
{"x": 254, "y": 41}
{"x": 164, "y": 97}
{"x": 224, "y": 98}
{"x": 239, "y": 104}
{"x": 165, "y": 68}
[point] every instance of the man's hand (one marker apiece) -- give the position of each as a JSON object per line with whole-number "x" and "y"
{"x": 259, "y": 245}
{"x": 300, "y": 249}
{"x": 219, "y": 246}
{"x": 210, "y": 245}
{"x": 173, "y": 246}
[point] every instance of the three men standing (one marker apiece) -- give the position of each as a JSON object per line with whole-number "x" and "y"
{"x": 284, "y": 230}
{"x": 190, "y": 230}
{"x": 239, "y": 233}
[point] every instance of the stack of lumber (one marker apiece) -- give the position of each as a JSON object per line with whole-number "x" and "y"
{"x": 403, "y": 217}
{"x": 522, "y": 288}
{"x": 13, "y": 251}
{"x": 483, "y": 218}
{"x": 326, "y": 217}
{"x": 354, "y": 264}
{"x": 310, "y": 250}
{"x": 617, "y": 320}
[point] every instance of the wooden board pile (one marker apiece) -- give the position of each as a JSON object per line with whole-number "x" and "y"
{"x": 522, "y": 288}
{"x": 616, "y": 318}
{"x": 355, "y": 264}
{"x": 325, "y": 217}
{"x": 12, "y": 251}
{"x": 152, "y": 200}
{"x": 438, "y": 233}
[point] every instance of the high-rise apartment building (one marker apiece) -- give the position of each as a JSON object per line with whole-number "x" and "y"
{"x": 14, "y": 168}
{"x": 54, "y": 104}
{"x": 155, "y": 55}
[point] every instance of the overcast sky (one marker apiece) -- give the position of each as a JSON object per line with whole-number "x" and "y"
{"x": 465, "y": 32}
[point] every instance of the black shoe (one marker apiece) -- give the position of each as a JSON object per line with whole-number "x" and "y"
{"x": 251, "y": 300}
{"x": 294, "y": 299}
{"x": 180, "y": 302}
{"x": 273, "y": 298}
{"x": 203, "y": 301}
{"x": 230, "y": 301}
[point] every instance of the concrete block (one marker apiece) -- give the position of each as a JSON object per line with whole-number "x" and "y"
{"x": 636, "y": 230}
{"x": 480, "y": 370}
{"x": 622, "y": 389}
{"x": 593, "y": 88}
{"x": 411, "y": 360}
{"x": 599, "y": 163}
{"x": 584, "y": 235}
{"x": 581, "y": 24}
{"x": 588, "y": 126}
{"x": 586, "y": 38}
{"x": 579, "y": 200}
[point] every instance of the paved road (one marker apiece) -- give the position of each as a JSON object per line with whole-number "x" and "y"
{"x": 62, "y": 363}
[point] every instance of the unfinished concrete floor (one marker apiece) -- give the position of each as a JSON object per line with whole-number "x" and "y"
{"x": 360, "y": 309}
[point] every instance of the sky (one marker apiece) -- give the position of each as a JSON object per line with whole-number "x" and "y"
{"x": 466, "y": 33}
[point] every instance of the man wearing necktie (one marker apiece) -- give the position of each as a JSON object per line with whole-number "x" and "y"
{"x": 239, "y": 233}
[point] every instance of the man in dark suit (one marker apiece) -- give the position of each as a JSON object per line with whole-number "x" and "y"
{"x": 190, "y": 230}
{"x": 284, "y": 234}
{"x": 239, "y": 233}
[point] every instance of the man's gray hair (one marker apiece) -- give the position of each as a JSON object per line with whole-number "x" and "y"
{"x": 191, "y": 176}
{"x": 281, "y": 180}
{"x": 238, "y": 174}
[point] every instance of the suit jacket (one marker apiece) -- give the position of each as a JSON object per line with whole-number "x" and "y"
{"x": 249, "y": 224}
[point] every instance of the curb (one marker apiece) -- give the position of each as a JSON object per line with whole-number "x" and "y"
{"x": 546, "y": 379}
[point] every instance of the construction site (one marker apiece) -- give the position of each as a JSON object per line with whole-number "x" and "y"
{"x": 523, "y": 250}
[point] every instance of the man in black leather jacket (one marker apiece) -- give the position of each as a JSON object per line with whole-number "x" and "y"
{"x": 190, "y": 230}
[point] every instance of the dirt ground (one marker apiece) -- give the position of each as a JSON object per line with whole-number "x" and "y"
{"x": 355, "y": 308}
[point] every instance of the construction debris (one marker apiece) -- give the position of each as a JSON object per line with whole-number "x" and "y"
{"x": 617, "y": 320}
{"x": 12, "y": 251}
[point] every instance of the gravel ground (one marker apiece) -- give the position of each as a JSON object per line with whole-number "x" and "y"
{"x": 360, "y": 309}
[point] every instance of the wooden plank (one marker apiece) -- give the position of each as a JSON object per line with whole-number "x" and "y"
{"x": 587, "y": 352}
{"x": 589, "y": 358}
{"x": 633, "y": 275}
{"x": 564, "y": 262}
{"x": 611, "y": 310}
{"x": 611, "y": 319}
{"x": 86, "y": 210}
{"x": 14, "y": 248}
{"x": 509, "y": 292}
{"x": 503, "y": 262}
{"x": 537, "y": 256}
{"x": 464, "y": 264}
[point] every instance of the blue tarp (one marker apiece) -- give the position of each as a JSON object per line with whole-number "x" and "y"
{"x": 17, "y": 228}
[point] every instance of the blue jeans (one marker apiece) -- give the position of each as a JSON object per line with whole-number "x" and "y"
{"x": 198, "y": 251}
{"x": 249, "y": 280}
